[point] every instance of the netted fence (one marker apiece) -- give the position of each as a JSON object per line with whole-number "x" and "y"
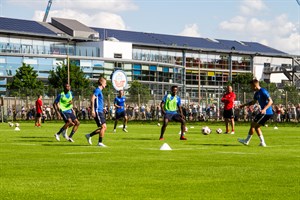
{"x": 209, "y": 107}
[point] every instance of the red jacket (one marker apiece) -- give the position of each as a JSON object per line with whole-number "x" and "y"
{"x": 228, "y": 100}
{"x": 38, "y": 105}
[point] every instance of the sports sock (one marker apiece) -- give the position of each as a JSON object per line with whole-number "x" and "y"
{"x": 60, "y": 131}
{"x": 261, "y": 137}
{"x": 93, "y": 133}
{"x": 248, "y": 138}
{"x": 71, "y": 134}
{"x": 100, "y": 139}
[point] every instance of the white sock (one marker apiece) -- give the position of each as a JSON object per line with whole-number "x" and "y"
{"x": 248, "y": 138}
{"x": 261, "y": 137}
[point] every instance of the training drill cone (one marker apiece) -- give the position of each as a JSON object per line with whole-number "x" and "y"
{"x": 165, "y": 146}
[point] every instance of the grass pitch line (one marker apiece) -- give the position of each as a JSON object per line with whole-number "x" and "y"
{"x": 232, "y": 152}
{"x": 177, "y": 149}
{"x": 26, "y": 144}
{"x": 74, "y": 153}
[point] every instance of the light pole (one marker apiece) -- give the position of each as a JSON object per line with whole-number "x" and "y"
{"x": 68, "y": 63}
{"x": 199, "y": 83}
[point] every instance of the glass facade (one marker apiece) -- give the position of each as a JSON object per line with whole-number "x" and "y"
{"x": 35, "y": 46}
{"x": 159, "y": 68}
{"x": 155, "y": 55}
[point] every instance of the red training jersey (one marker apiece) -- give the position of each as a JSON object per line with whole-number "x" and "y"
{"x": 38, "y": 105}
{"x": 228, "y": 100}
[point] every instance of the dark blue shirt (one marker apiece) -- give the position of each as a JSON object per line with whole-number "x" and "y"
{"x": 99, "y": 100}
{"x": 120, "y": 101}
{"x": 262, "y": 97}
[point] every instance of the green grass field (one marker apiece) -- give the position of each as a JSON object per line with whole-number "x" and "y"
{"x": 35, "y": 166}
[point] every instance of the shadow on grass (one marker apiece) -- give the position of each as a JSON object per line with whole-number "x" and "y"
{"x": 66, "y": 145}
{"x": 222, "y": 145}
{"x": 137, "y": 139}
{"x": 34, "y": 140}
{"x": 35, "y": 137}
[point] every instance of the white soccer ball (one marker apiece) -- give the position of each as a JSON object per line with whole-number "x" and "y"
{"x": 219, "y": 131}
{"x": 11, "y": 124}
{"x": 17, "y": 124}
{"x": 158, "y": 124}
{"x": 206, "y": 130}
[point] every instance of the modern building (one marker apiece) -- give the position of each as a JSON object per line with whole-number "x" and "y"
{"x": 157, "y": 60}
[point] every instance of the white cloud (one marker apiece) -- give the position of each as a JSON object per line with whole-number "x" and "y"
{"x": 289, "y": 44}
{"x": 101, "y": 19}
{"x": 82, "y": 5}
{"x": 190, "y": 30}
{"x": 96, "y": 5}
{"x": 237, "y": 23}
{"x": 283, "y": 26}
{"x": 96, "y": 13}
{"x": 251, "y": 7}
{"x": 257, "y": 27}
{"x": 277, "y": 32}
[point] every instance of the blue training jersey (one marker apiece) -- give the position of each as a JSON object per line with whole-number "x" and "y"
{"x": 262, "y": 97}
{"x": 120, "y": 101}
{"x": 57, "y": 100}
{"x": 99, "y": 100}
{"x": 178, "y": 100}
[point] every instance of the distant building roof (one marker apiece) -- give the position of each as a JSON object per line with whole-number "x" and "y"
{"x": 187, "y": 42}
{"x": 74, "y": 28}
{"x": 63, "y": 28}
{"x": 23, "y": 26}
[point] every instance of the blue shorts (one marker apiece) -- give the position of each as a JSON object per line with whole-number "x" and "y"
{"x": 120, "y": 115}
{"x": 99, "y": 119}
{"x": 261, "y": 119}
{"x": 173, "y": 117}
{"x": 67, "y": 116}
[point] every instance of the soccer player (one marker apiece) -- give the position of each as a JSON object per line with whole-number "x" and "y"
{"x": 262, "y": 96}
{"x": 169, "y": 106}
{"x": 97, "y": 104}
{"x": 119, "y": 104}
{"x": 228, "y": 114}
{"x": 39, "y": 111}
{"x": 63, "y": 106}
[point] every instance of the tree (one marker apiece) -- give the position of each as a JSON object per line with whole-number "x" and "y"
{"x": 271, "y": 87}
{"x": 80, "y": 85}
{"x": 291, "y": 94}
{"x": 25, "y": 82}
{"x": 241, "y": 81}
{"x": 139, "y": 92}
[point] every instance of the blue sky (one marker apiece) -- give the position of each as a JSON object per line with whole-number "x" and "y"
{"x": 275, "y": 23}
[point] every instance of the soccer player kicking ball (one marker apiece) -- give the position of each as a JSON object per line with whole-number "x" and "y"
{"x": 169, "y": 105}
{"x": 262, "y": 96}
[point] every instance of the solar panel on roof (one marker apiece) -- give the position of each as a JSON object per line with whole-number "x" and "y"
{"x": 183, "y": 41}
{"x": 127, "y": 36}
{"x": 27, "y": 26}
